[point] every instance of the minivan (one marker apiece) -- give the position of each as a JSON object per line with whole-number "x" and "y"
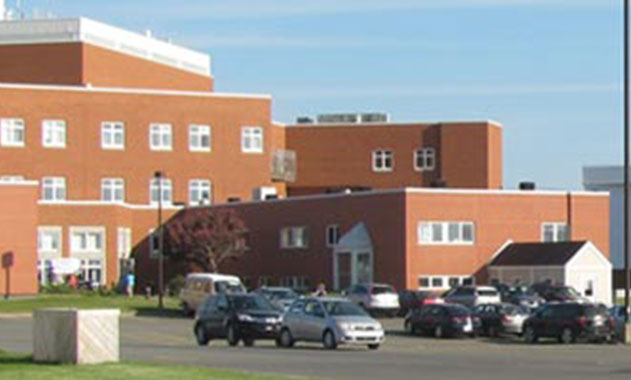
{"x": 198, "y": 286}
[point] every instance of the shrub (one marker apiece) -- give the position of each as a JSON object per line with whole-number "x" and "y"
{"x": 57, "y": 289}
{"x": 175, "y": 285}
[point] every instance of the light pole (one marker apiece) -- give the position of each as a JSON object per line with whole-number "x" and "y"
{"x": 627, "y": 326}
{"x": 158, "y": 177}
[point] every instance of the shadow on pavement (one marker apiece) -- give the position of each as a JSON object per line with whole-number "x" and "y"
{"x": 154, "y": 312}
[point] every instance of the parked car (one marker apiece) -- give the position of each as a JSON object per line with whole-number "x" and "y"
{"x": 500, "y": 318}
{"x": 557, "y": 293}
{"x": 198, "y": 286}
{"x": 441, "y": 320}
{"x": 416, "y": 299}
{"x": 375, "y": 298}
{"x": 617, "y": 313}
{"x": 329, "y": 320}
{"x": 471, "y": 296}
{"x": 568, "y": 322}
{"x": 236, "y": 317}
{"x": 281, "y": 297}
{"x": 522, "y": 296}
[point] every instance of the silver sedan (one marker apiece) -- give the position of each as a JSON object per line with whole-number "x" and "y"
{"x": 329, "y": 320}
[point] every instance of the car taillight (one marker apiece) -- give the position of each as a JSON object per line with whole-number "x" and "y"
{"x": 507, "y": 318}
{"x": 582, "y": 321}
{"x": 612, "y": 321}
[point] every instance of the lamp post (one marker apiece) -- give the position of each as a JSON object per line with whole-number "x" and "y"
{"x": 158, "y": 177}
{"x": 627, "y": 326}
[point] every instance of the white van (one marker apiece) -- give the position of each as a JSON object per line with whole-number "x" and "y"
{"x": 198, "y": 286}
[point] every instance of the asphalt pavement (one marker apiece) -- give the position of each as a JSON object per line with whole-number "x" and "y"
{"x": 170, "y": 340}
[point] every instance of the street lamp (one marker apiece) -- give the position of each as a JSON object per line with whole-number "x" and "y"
{"x": 627, "y": 326}
{"x": 158, "y": 178}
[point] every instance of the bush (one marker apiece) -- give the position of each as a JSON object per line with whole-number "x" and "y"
{"x": 57, "y": 289}
{"x": 175, "y": 285}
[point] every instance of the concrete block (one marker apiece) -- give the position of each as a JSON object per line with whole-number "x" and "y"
{"x": 73, "y": 336}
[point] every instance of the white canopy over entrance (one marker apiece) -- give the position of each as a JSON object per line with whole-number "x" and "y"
{"x": 353, "y": 258}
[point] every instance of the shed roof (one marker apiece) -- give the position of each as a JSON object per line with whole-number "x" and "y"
{"x": 537, "y": 254}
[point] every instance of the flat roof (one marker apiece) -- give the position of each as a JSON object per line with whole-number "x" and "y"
{"x": 19, "y": 32}
{"x": 392, "y": 124}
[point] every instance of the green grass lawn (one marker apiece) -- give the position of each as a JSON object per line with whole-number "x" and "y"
{"x": 14, "y": 366}
{"x": 136, "y": 304}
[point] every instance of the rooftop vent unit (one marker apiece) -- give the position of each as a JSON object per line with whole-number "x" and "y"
{"x": 304, "y": 120}
{"x": 438, "y": 183}
{"x": 353, "y": 118}
{"x": 375, "y": 118}
{"x": 527, "y": 186}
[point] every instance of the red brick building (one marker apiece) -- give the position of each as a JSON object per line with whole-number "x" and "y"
{"x": 90, "y": 112}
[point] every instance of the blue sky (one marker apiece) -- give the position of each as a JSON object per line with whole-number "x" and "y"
{"x": 548, "y": 70}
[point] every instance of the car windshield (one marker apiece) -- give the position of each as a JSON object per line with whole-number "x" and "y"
{"x": 343, "y": 308}
{"x": 252, "y": 303}
{"x": 281, "y": 294}
{"x": 522, "y": 291}
{"x": 487, "y": 292}
{"x": 228, "y": 287}
{"x": 567, "y": 291}
{"x": 382, "y": 289}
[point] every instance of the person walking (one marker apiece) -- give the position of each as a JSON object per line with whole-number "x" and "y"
{"x": 130, "y": 282}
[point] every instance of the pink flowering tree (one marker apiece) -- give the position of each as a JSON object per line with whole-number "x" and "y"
{"x": 206, "y": 237}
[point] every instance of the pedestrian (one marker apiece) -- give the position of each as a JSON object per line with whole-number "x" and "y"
{"x": 320, "y": 290}
{"x": 130, "y": 282}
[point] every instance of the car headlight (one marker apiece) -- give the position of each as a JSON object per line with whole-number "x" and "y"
{"x": 346, "y": 326}
{"x": 245, "y": 318}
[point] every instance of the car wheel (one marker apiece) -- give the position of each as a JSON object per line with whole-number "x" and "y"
{"x": 438, "y": 332}
{"x": 248, "y": 342}
{"x": 373, "y": 346}
{"x": 201, "y": 336}
{"x": 529, "y": 335}
{"x": 232, "y": 336}
{"x": 328, "y": 340}
{"x": 409, "y": 327}
{"x": 567, "y": 336}
{"x": 285, "y": 339}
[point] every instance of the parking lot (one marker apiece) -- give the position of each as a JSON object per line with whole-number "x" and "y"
{"x": 170, "y": 340}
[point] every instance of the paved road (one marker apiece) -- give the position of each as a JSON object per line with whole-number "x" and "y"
{"x": 165, "y": 340}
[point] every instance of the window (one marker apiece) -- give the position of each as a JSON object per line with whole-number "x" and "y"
{"x": 112, "y": 190}
{"x": 293, "y": 237}
{"x": 49, "y": 239}
{"x": 295, "y": 282}
{"x": 53, "y": 188}
{"x": 154, "y": 243}
{"x": 423, "y": 282}
{"x": 92, "y": 271}
{"x": 12, "y": 178}
{"x": 554, "y": 232}
{"x": 44, "y": 271}
{"x": 382, "y": 161}
{"x": 160, "y": 137}
{"x": 123, "y": 242}
{"x": 199, "y": 138}
{"x": 86, "y": 240}
{"x": 332, "y": 235}
{"x": 265, "y": 281}
{"x": 12, "y": 132}
{"x": 112, "y": 135}
{"x": 54, "y": 133}
{"x": 154, "y": 189}
{"x": 435, "y": 282}
{"x": 199, "y": 192}
{"x": 424, "y": 159}
{"x": 252, "y": 140}
{"x": 446, "y": 233}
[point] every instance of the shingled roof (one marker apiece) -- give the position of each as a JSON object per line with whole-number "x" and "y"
{"x": 537, "y": 254}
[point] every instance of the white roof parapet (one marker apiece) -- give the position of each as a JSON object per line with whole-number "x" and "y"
{"x": 106, "y": 36}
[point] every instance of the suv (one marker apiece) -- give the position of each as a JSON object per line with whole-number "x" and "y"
{"x": 568, "y": 322}
{"x": 442, "y": 320}
{"x": 236, "y": 317}
{"x": 471, "y": 296}
{"x": 558, "y": 293}
{"x": 375, "y": 298}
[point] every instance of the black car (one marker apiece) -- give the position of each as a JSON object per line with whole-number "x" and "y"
{"x": 441, "y": 320}
{"x": 568, "y": 322}
{"x": 236, "y": 317}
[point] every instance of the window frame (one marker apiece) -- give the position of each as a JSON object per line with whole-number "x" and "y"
{"x": 87, "y": 230}
{"x": 556, "y": 229}
{"x": 336, "y": 234}
{"x": 162, "y": 130}
{"x": 201, "y": 131}
{"x": 7, "y": 128}
{"x": 51, "y": 127}
{"x": 56, "y": 180}
{"x": 167, "y": 187}
{"x": 53, "y": 230}
{"x": 112, "y": 128}
{"x": 427, "y": 230}
{"x": 251, "y": 134}
{"x": 288, "y": 237}
{"x": 199, "y": 189}
{"x": 382, "y": 155}
{"x": 445, "y": 281}
{"x": 114, "y": 187}
{"x": 424, "y": 155}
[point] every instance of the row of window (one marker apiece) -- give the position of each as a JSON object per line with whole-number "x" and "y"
{"x": 113, "y": 190}
{"x": 13, "y": 134}
{"x": 296, "y": 237}
{"x": 424, "y": 160}
{"x": 444, "y": 281}
{"x": 82, "y": 240}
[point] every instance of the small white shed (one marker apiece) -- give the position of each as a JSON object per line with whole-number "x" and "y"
{"x": 577, "y": 264}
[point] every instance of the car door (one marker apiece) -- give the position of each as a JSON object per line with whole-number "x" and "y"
{"x": 218, "y": 317}
{"x": 538, "y": 320}
{"x": 294, "y": 319}
{"x": 313, "y": 320}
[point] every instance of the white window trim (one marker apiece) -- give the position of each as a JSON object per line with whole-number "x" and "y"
{"x": 209, "y": 200}
{"x": 259, "y": 150}
{"x": 326, "y": 235}
{"x": 445, "y": 280}
{"x": 53, "y": 124}
{"x": 383, "y": 153}
{"x": 166, "y": 202}
{"x": 210, "y": 138}
{"x": 12, "y": 144}
{"x": 96, "y": 254}
{"x": 163, "y": 127}
{"x": 423, "y": 152}
{"x": 555, "y": 230}
{"x": 54, "y": 199}
{"x": 445, "y": 232}
{"x": 112, "y": 145}
{"x": 112, "y": 190}
{"x": 288, "y": 245}
{"x": 49, "y": 252}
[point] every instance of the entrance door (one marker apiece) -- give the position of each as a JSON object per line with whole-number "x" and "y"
{"x": 344, "y": 274}
{"x": 363, "y": 268}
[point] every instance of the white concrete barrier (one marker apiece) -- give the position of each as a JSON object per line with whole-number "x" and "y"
{"x": 74, "y": 336}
